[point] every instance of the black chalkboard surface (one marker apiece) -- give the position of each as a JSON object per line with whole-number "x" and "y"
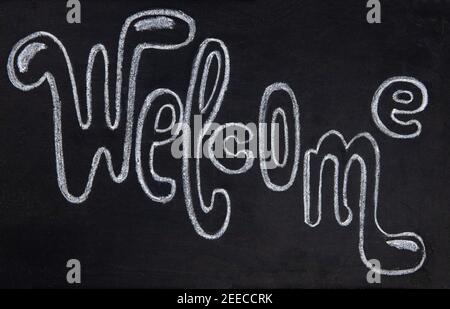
{"x": 358, "y": 196}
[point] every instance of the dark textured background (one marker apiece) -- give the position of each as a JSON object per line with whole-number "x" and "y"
{"x": 333, "y": 60}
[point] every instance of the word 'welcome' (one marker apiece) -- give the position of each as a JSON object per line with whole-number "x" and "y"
{"x": 361, "y": 151}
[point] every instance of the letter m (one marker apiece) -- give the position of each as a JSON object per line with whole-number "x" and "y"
{"x": 333, "y": 148}
{"x": 363, "y": 150}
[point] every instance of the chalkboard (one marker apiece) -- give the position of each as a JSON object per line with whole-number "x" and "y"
{"x": 354, "y": 95}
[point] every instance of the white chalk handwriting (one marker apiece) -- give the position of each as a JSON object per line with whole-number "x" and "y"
{"x": 362, "y": 151}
